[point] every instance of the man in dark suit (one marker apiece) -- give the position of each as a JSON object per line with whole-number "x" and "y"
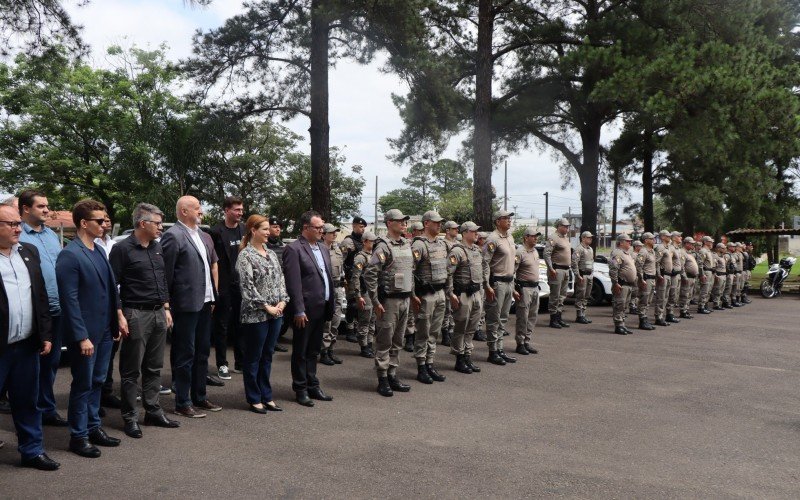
{"x": 91, "y": 320}
{"x": 190, "y": 264}
{"x": 307, "y": 271}
{"x": 25, "y": 335}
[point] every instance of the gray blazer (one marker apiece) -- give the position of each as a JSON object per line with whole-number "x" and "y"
{"x": 183, "y": 266}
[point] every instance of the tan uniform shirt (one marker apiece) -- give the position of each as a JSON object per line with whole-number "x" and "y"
{"x": 527, "y": 264}
{"x": 622, "y": 267}
{"x": 583, "y": 260}
{"x": 499, "y": 252}
{"x": 558, "y": 251}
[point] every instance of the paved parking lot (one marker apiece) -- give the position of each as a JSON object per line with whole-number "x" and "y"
{"x": 705, "y": 408}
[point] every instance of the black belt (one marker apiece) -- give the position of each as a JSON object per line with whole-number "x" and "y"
{"x": 504, "y": 279}
{"x": 692, "y": 276}
{"x": 720, "y": 274}
{"x": 675, "y": 273}
{"x": 623, "y": 283}
{"x": 527, "y": 284}
{"x": 470, "y": 289}
{"x": 398, "y": 295}
{"x": 559, "y": 266}
{"x": 429, "y": 288}
{"x": 664, "y": 275}
{"x": 586, "y": 273}
{"x": 650, "y": 276}
{"x": 144, "y": 307}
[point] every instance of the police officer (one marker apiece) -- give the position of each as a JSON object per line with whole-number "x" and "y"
{"x": 389, "y": 278}
{"x": 480, "y": 332}
{"x": 331, "y": 328}
{"x": 691, "y": 272}
{"x": 468, "y": 271}
{"x": 451, "y": 237}
{"x": 276, "y": 244}
{"x": 527, "y": 290}
{"x": 698, "y": 258}
{"x": 647, "y": 268}
{"x": 357, "y": 293}
{"x": 664, "y": 255}
{"x": 499, "y": 252}
{"x": 415, "y": 229}
{"x": 351, "y": 245}
{"x": 622, "y": 271}
{"x": 730, "y": 265}
{"x": 633, "y": 308}
{"x": 720, "y": 275}
{"x": 582, "y": 268}
{"x": 675, "y": 279}
{"x": 557, "y": 256}
{"x": 428, "y": 300}
{"x": 739, "y": 285}
{"x": 749, "y": 265}
{"x": 708, "y": 263}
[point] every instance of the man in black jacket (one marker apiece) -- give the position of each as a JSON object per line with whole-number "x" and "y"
{"x": 25, "y": 335}
{"x": 227, "y": 235}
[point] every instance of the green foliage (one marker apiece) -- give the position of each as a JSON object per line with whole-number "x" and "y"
{"x": 407, "y": 200}
{"x": 457, "y": 206}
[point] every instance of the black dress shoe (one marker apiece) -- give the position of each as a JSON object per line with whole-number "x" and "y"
{"x": 160, "y": 421}
{"x": 100, "y": 438}
{"x": 280, "y": 348}
{"x": 256, "y": 409}
{"x": 316, "y": 393}
{"x": 110, "y": 401}
{"x": 214, "y": 381}
{"x": 435, "y": 375}
{"x": 132, "y": 429}
{"x": 506, "y": 357}
{"x": 303, "y": 399}
{"x": 531, "y": 349}
{"x": 397, "y": 385}
{"x": 383, "y": 387}
{"x": 41, "y": 462}
{"x": 521, "y": 350}
{"x": 82, "y": 447}
{"x": 495, "y": 359}
{"x": 272, "y": 407}
{"x": 54, "y": 420}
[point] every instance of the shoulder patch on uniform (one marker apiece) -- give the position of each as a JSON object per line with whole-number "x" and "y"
{"x": 417, "y": 255}
{"x": 490, "y": 246}
{"x": 359, "y": 266}
{"x": 453, "y": 260}
{"x": 382, "y": 257}
{"x": 517, "y": 259}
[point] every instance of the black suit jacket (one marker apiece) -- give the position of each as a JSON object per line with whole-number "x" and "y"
{"x": 41, "y": 306}
{"x": 304, "y": 282}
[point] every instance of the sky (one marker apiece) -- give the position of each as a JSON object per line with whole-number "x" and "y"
{"x": 362, "y": 115}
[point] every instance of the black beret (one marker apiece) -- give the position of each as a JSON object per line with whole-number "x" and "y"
{"x": 359, "y": 220}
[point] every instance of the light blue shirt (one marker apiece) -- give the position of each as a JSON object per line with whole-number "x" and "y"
{"x": 321, "y": 263}
{"x": 17, "y": 282}
{"x": 49, "y": 245}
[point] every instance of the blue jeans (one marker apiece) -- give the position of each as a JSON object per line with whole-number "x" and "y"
{"x": 88, "y": 375}
{"x": 48, "y": 367}
{"x": 191, "y": 345}
{"x": 260, "y": 340}
{"x": 19, "y": 371}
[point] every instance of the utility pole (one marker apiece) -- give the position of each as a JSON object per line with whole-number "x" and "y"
{"x": 376, "y": 205}
{"x": 546, "y": 214}
{"x": 505, "y": 187}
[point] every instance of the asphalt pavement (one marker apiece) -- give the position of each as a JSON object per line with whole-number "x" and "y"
{"x": 706, "y": 408}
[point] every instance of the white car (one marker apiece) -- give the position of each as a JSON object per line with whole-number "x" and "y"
{"x": 601, "y": 287}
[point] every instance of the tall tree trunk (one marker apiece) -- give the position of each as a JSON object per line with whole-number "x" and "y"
{"x": 482, "y": 145}
{"x": 319, "y": 131}
{"x": 589, "y": 175}
{"x": 647, "y": 181}
{"x": 614, "y": 205}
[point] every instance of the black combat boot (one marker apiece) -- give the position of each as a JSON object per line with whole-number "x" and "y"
{"x": 397, "y": 385}
{"x": 644, "y": 324}
{"x": 336, "y": 359}
{"x": 383, "y": 387}
{"x": 366, "y": 352}
{"x": 672, "y": 319}
{"x": 554, "y": 321}
{"x": 475, "y": 368}
{"x": 350, "y": 333}
{"x": 409, "y": 344}
{"x": 583, "y": 320}
{"x": 506, "y": 357}
{"x": 620, "y": 330}
{"x": 686, "y": 315}
{"x": 446, "y": 336}
{"x": 521, "y": 350}
{"x": 703, "y": 310}
{"x": 325, "y": 358}
{"x": 461, "y": 364}
{"x": 480, "y": 336}
{"x": 661, "y": 322}
{"x": 495, "y": 359}
{"x": 423, "y": 375}
{"x": 561, "y": 322}
{"x": 531, "y": 349}
{"x": 435, "y": 375}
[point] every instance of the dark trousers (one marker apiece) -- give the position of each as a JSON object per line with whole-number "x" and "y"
{"x": 108, "y": 384}
{"x": 191, "y": 346}
{"x": 88, "y": 375}
{"x": 142, "y": 353}
{"x": 227, "y": 324}
{"x": 48, "y": 367}
{"x": 260, "y": 340}
{"x": 19, "y": 372}
{"x": 306, "y": 345}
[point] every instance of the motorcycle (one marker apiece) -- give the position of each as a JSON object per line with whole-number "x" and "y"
{"x": 777, "y": 274}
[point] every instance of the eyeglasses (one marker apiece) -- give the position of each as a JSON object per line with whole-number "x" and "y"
{"x": 13, "y": 224}
{"x": 317, "y": 228}
{"x": 99, "y": 221}
{"x": 158, "y": 224}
